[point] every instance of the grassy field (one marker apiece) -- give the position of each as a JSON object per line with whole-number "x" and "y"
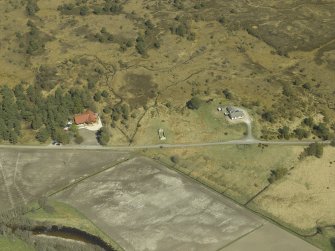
{"x": 180, "y": 127}
{"x": 12, "y": 243}
{"x": 300, "y": 200}
{"x": 239, "y": 172}
{"x": 65, "y": 215}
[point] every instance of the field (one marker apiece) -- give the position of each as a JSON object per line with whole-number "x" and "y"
{"x": 300, "y": 199}
{"x": 145, "y": 206}
{"x": 27, "y": 175}
{"x": 13, "y": 243}
{"x": 239, "y": 172}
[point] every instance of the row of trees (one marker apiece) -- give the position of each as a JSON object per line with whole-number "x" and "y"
{"x": 307, "y": 126}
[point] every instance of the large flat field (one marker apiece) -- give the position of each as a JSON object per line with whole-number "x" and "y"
{"x": 29, "y": 174}
{"x": 143, "y": 205}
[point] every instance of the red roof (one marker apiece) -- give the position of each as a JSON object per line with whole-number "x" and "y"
{"x": 87, "y": 117}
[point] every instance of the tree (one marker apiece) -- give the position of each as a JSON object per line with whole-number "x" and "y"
{"x": 174, "y": 159}
{"x": 308, "y": 122}
{"x": 42, "y": 135}
{"x": 314, "y": 149}
{"x": 322, "y": 131}
{"x": 13, "y": 137}
{"x": 277, "y": 174}
{"x": 31, "y": 7}
{"x": 284, "y": 132}
{"x": 97, "y": 96}
{"x": 103, "y": 136}
{"x": 332, "y": 242}
{"x": 61, "y": 136}
{"x": 84, "y": 11}
{"x": 227, "y": 94}
{"x": 268, "y": 116}
{"x": 37, "y": 122}
{"x": 105, "y": 94}
{"x": 332, "y": 142}
{"x": 301, "y": 133}
{"x": 194, "y": 103}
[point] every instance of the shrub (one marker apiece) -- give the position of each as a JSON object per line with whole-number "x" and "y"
{"x": 84, "y": 11}
{"x": 322, "y": 131}
{"x": 332, "y": 242}
{"x": 268, "y": 116}
{"x": 284, "y": 132}
{"x": 301, "y": 133}
{"x": 78, "y": 139}
{"x": 103, "y": 136}
{"x": 194, "y": 103}
{"x": 314, "y": 149}
{"x": 42, "y": 135}
{"x": 277, "y": 174}
{"x": 227, "y": 94}
{"x": 31, "y": 7}
{"x": 174, "y": 159}
{"x": 308, "y": 122}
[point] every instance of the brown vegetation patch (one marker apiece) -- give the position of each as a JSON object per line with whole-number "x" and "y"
{"x": 140, "y": 89}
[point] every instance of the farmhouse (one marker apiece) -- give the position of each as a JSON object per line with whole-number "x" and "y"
{"x": 234, "y": 113}
{"x": 88, "y": 117}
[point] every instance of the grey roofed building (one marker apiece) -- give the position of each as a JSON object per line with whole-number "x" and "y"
{"x": 233, "y": 113}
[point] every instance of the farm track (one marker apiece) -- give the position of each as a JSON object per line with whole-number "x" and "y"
{"x": 9, "y": 194}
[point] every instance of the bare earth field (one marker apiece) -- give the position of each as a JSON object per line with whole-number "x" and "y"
{"x": 27, "y": 175}
{"x": 145, "y": 206}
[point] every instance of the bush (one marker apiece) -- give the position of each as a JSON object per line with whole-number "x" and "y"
{"x": 140, "y": 45}
{"x": 174, "y": 159}
{"x": 78, "y": 139}
{"x": 308, "y": 122}
{"x": 301, "y": 133}
{"x": 32, "y": 7}
{"x": 84, "y": 11}
{"x": 103, "y": 136}
{"x": 322, "y": 131}
{"x": 194, "y": 103}
{"x": 227, "y": 94}
{"x": 277, "y": 174}
{"x": 314, "y": 149}
{"x": 284, "y": 132}
{"x": 42, "y": 135}
{"x": 268, "y": 116}
{"x": 332, "y": 242}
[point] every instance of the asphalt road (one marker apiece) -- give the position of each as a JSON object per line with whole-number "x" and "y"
{"x": 246, "y": 141}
